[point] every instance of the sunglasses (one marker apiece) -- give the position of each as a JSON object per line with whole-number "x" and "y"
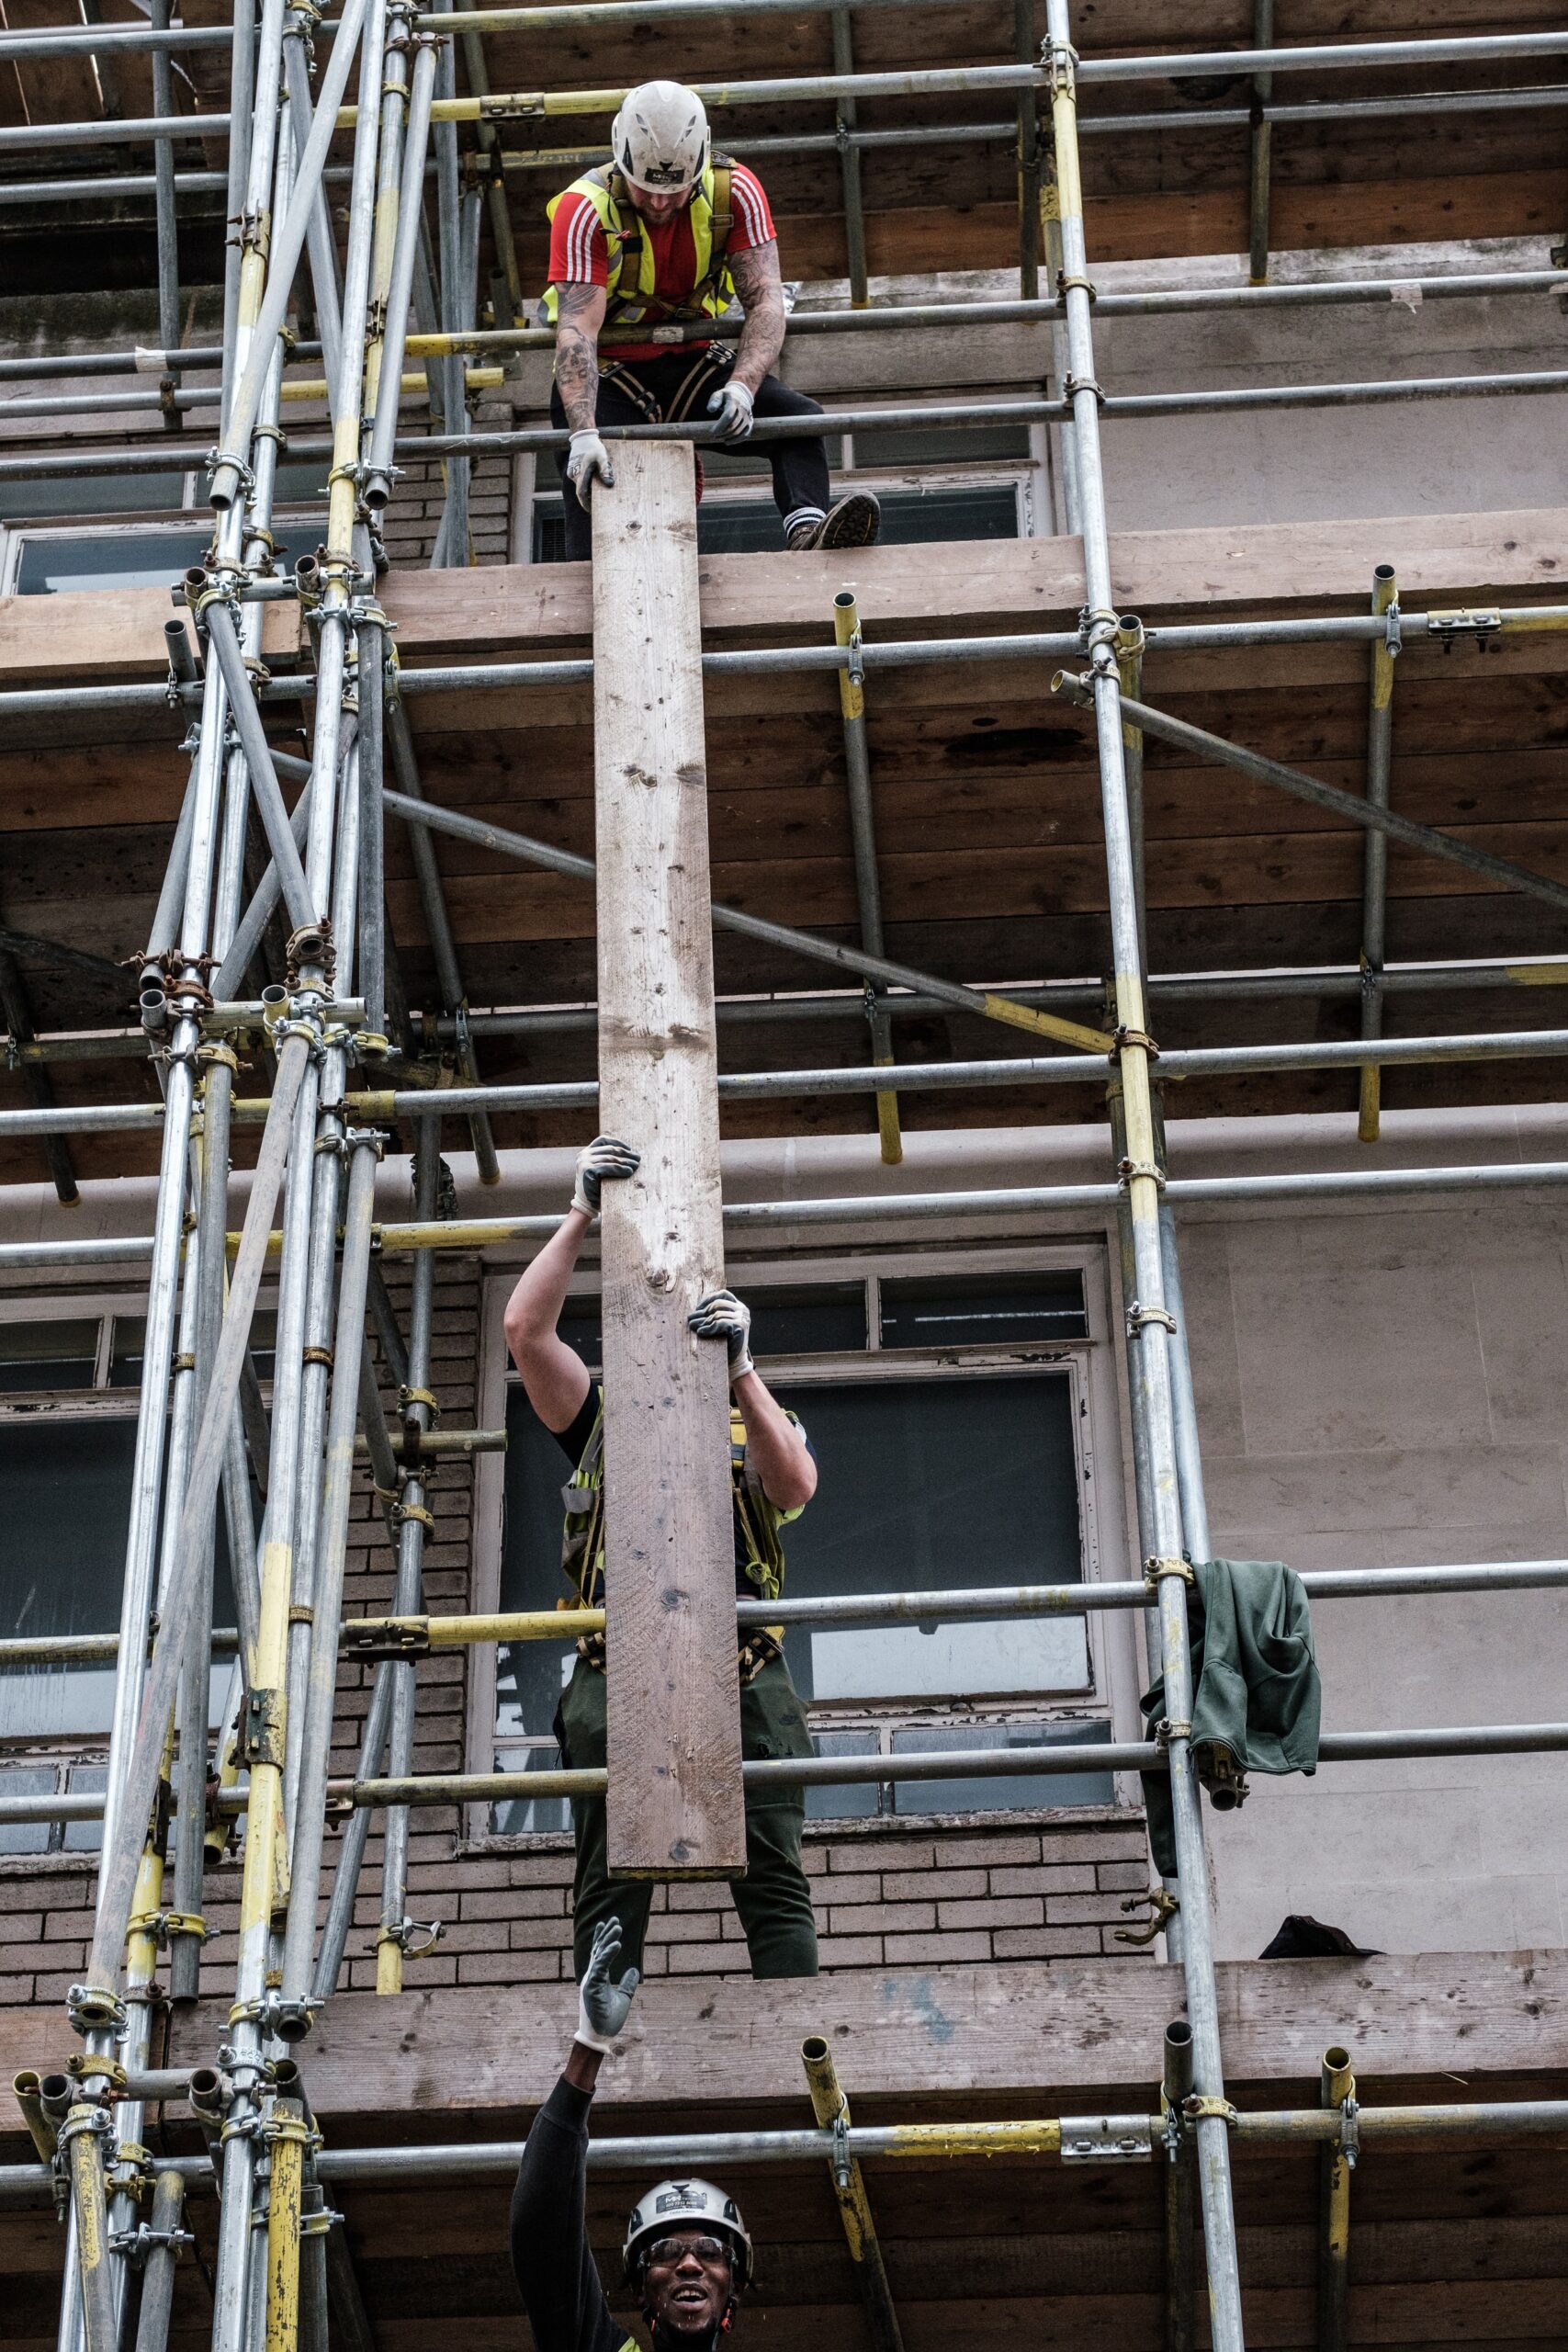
{"x": 666, "y": 2251}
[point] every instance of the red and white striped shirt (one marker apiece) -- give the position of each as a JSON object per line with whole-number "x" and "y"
{"x": 580, "y": 252}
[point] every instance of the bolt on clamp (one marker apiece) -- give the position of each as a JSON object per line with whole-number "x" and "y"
{"x": 1058, "y": 61}
{"x": 841, "y": 2162}
{"x": 1157, "y": 1566}
{"x": 415, "y": 1938}
{"x": 1200, "y": 2108}
{"x": 1162, "y": 1905}
{"x": 1138, "y": 1316}
{"x": 137, "y": 2244}
{"x": 1128, "y": 1170}
{"x": 93, "y": 2008}
{"x": 1350, "y": 2131}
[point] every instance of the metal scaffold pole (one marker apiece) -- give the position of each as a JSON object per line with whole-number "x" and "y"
{"x": 1151, "y": 1321}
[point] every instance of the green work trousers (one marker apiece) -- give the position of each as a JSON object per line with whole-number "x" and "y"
{"x": 774, "y": 1899}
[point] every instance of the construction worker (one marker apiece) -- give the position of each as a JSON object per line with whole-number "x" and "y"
{"x": 666, "y": 233}
{"x": 773, "y": 1476}
{"x": 687, "y": 2257}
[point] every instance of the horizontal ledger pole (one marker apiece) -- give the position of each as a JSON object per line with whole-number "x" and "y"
{"x": 973, "y": 416}
{"x": 750, "y": 1086}
{"x": 954, "y": 1605}
{"x": 1055, "y": 1759}
{"x": 532, "y": 105}
{"x": 1023, "y": 1202}
{"x": 1081, "y": 2136}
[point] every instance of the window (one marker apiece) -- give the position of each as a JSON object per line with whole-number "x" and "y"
{"x": 69, "y": 1375}
{"x": 57, "y": 536}
{"x": 944, "y": 483}
{"x": 949, "y": 1404}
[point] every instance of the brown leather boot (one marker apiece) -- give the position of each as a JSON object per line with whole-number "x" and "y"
{"x": 853, "y": 523}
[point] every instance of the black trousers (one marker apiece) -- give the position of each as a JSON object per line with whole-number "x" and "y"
{"x": 676, "y": 388}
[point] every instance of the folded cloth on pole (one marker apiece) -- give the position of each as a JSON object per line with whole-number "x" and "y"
{"x": 1257, "y": 1699}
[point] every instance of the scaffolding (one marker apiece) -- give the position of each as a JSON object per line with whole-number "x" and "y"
{"x": 311, "y": 1199}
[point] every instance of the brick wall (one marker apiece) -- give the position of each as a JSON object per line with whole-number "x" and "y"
{"x": 887, "y": 1893}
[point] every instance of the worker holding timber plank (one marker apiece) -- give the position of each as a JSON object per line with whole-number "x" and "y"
{"x": 773, "y": 1476}
{"x": 687, "y": 2256}
{"x": 665, "y": 233}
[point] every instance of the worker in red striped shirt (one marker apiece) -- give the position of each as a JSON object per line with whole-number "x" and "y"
{"x": 664, "y": 235}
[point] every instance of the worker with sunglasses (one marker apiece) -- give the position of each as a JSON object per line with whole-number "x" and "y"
{"x": 686, "y": 2257}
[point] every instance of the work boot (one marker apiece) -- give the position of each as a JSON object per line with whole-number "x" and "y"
{"x": 853, "y": 523}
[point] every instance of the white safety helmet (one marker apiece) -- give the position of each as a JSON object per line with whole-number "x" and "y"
{"x": 660, "y": 139}
{"x": 686, "y": 2205}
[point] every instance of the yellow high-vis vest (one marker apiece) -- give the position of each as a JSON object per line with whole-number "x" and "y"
{"x": 631, "y": 298}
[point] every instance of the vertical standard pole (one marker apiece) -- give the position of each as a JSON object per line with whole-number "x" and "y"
{"x": 1181, "y": 2269}
{"x": 501, "y": 236}
{"x": 1375, "y": 870}
{"x": 863, "y": 829}
{"x": 291, "y": 2136}
{"x": 1028, "y": 158}
{"x": 831, "y": 2108}
{"x": 414, "y": 1518}
{"x": 1067, "y": 444}
{"x": 164, "y": 190}
{"x": 1338, "y": 2085}
{"x": 675, "y": 1806}
{"x": 1260, "y": 160}
{"x": 1130, "y": 670}
{"x": 849, "y": 164}
{"x": 158, "y": 2270}
{"x": 1151, "y": 1387}
{"x": 451, "y": 550}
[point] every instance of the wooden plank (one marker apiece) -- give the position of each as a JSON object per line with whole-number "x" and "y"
{"x": 675, "y": 1806}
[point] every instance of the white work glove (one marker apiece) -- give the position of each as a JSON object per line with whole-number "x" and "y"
{"x": 732, "y": 406}
{"x": 602, "y": 1161}
{"x": 603, "y": 2005}
{"x": 586, "y": 458}
{"x": 722, "y": 1316}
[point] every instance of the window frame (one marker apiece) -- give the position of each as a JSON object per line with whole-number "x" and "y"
{"x": 16, "y": 537}
{"x": 1097, "y": 1409}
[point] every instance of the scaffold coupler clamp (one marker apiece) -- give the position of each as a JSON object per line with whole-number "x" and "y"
{"x": 1393, "y": 635}
{"x": 1200, "y": 2108}
{"x": 840, "y": 2161}
{"x": 1162, "y": 1907}
{"x": 415, "y": 1938}
{"x": 1158, "y": 1565}
{"x": 1349, "y": 2133}
{"x": 1129, "y": 1170}
{"x": 375, "y": 1638}
{"x": 1058, "y": 62}
{"x": 1139, "y": 1317}
{"x": 137, "y": 2244}
{"x": 95, "y": 2008}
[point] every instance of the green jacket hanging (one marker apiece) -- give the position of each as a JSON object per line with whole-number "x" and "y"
{"x": 1256, "y": 1698}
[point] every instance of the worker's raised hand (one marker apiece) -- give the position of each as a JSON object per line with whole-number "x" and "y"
{"x": 605, "y": 1160}
{"x": 587, "y": 461}
{"x": 722, "y": 1316}
{"x": 732, "y": 406}
{"x": 603, "y": 2003}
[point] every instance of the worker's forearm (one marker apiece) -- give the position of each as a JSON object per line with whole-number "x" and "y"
{"x": 536, "y": 1304}
{"x": 581, "y": 2068}
{"x": 774, "y": 1445}
{"x": 761, "y": 338}
{"x": 577, "y": 357}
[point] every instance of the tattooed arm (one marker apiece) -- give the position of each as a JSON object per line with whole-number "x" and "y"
{"x": 580, "y": 315}
{"x": 756, "y": 275}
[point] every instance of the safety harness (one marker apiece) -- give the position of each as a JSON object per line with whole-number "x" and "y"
{"x": 583, "y": 1540}
{"x": 630, "y": 298}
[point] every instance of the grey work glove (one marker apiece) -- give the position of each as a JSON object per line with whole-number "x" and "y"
{"x": 605, "y": 1160}
{"x": 722, "y": 1316}
{"x": 586, "y": 460}
{"x": 732, "y": 406}
{"x": 603, "y": 2005}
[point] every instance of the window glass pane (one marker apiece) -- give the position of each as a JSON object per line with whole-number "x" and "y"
{"x": 301, "y": 482}
{"x": 958, "y": 444}
{"x": 85, "y": 1836}
{"x": 49, "y": 567}
{"x": 983, "y": 1310}
{"x": 530, "y": 1676}
{"x": 522, "y": 1816}
{"x": 911, "y": 516}
{"x": 22, "y": 502}
{"x": 49, "y": 1355}
{"x": 1006, "y": 1789}
{"x": 26, "y": 1780}
{"x": 808, "y": 1319}
{"x": 130, "y": 1336}
{"x": 67, "y": 1486}
{"x": 925, "y": 1486}
{"x": 851, "y": 1803}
